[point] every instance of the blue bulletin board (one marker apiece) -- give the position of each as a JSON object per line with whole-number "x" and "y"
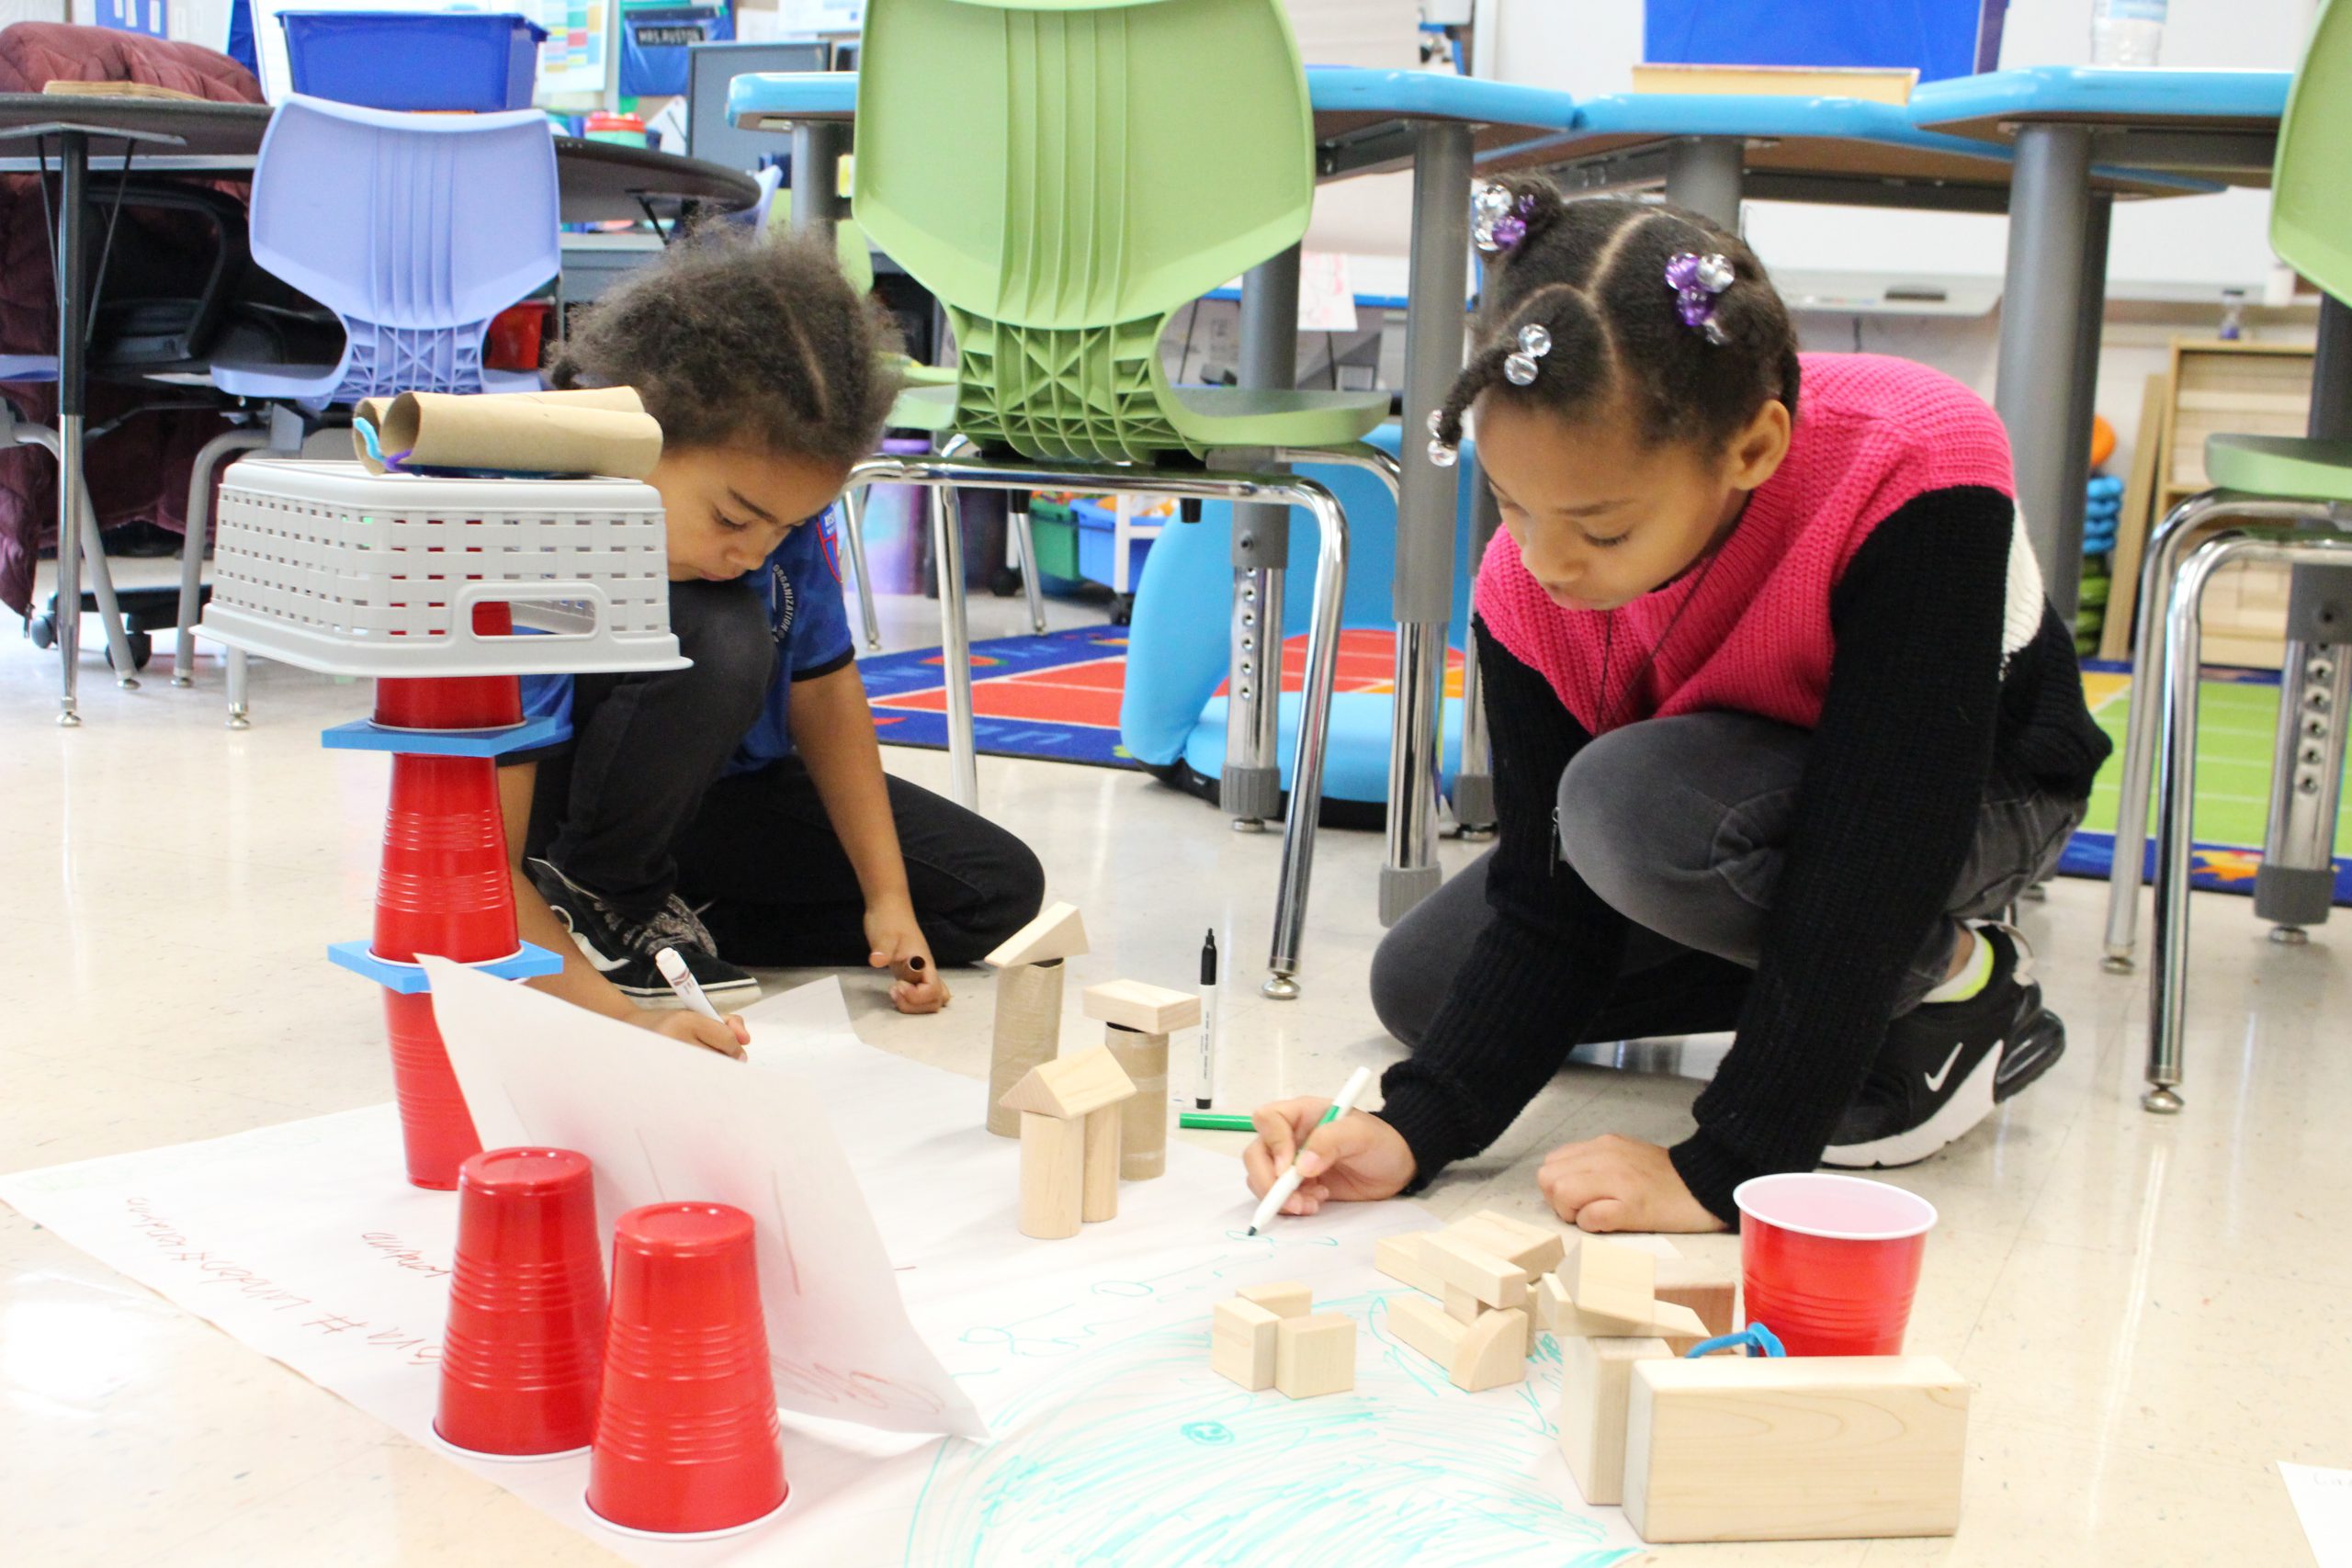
{"x": 1938, "y": 38}
{"x": 153, "y": 18}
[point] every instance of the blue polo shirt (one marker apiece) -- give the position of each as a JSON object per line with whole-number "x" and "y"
{"x": 800, "y": 583}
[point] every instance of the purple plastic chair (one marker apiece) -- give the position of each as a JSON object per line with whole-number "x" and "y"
{"x": 414, "y": 229}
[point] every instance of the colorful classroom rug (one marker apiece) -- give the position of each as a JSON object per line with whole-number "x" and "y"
{"x": 1057, "y": 697}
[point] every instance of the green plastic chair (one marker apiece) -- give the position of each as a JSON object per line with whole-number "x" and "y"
{"x": 2275, "y": 499}
{"x": 1065, "y": 176}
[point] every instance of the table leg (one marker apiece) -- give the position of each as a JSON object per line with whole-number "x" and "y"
{"x": 817, "y": 149}
{"x": 2296, "y": 885}
{"x": 2062, "y": 575}
{"x": 2042, "y": 322}
{"x": 1708, "y": 175}
{"x": 1474, "y": 780}
{"x": 1251, "y": 787}
{"x": 72, "y": 300}
{"x": 1423, "y": 590}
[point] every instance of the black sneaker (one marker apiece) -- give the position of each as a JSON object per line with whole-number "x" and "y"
{"x": 1946, "y": 1065}
{"x": 622, "y": 947}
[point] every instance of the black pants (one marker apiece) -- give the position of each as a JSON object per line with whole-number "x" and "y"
{"x": 634, "y": 810}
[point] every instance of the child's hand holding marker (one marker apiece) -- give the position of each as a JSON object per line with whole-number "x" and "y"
{"x": 700, "y": 1023}
{"x": 898, "y": 945}
{"x": 1354, "y": 1159}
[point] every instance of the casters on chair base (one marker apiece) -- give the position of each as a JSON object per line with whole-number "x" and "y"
{"x": 1280, "y": 987}
{"x": 2289, "y": 936}
{"x": 178, "y": 680}
{"x": 1475, "y": 835}
{"x": 2161, "y": 1101}
{"x": 1248, "y": 825}
{"x": 68, "y": 719}
{"x": 237, "y": 720}
{"x": 2117, "y": 960}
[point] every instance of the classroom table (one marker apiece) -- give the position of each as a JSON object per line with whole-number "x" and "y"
{"x": 599, "y": 182}
{"x": 2221, "y": 125}
{"x": 1365, "y": 122}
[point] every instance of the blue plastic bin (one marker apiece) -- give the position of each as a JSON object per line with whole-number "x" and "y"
{"x": 481, "y": 61}
{"x": 1098, "y": 544}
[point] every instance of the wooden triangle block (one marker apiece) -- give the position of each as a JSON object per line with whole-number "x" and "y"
{"x": 1055, "y": 934}
{"x": 1146, "y": 1010}
{"x": 1610, "y": 1279}
{"x": 1068, "y": 1086}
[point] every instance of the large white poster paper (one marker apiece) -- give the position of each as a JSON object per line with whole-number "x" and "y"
{"x": 664, "y": 1122}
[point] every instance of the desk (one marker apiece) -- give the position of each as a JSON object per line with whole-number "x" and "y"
{"x": 599, "y": 182}
{"x": 1365, "y": 122}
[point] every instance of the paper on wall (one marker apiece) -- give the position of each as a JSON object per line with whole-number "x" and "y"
{"x": 663, "y": 1121}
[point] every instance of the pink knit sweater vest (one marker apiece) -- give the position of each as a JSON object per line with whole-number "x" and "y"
{"x": 1872, "y": 432}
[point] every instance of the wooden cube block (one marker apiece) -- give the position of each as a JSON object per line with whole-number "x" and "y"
{"x": 1811, "y": 1448}
{"x": 1596, "y": 1376}
{"x": 1404, "y": 1260}
{"x": 1242, "y": 1343}
{"x": 1316, "y": 1354}
{"x": 1611, "y": 1280}
{"x": 1287, "y": 1298}
{"x": 1494, "y": 1281}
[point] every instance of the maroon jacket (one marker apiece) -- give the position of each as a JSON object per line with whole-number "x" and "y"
{"x": 139, "y": 470}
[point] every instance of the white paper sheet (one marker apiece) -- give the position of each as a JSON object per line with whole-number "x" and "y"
{"x": 2324, "y": 1503}
{"x": 1114, "y": 1442}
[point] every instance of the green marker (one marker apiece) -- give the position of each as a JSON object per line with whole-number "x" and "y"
{"x": 1215, "y": 1121}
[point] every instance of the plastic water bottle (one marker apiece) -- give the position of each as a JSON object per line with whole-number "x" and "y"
{"x": 2127, "y": 32}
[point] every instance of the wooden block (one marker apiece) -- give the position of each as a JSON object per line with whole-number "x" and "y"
{"x": 1405, "y": 1258}
{"x": 1056, "y": 933}
{"x": 1611, "y": 1280}
{"x": 1493, "y": 1351}
{"x": 1242, "y": 1343}
{"x": 1028, "y": 1032}
{"x": 1595, "y": 1377}
{"x": 1315, "y": 1356}
{"x": 1143, "y": 1137}
{"x": 1667, "y": 1320}
{"x": 1460, "y": 1304}
{"x": 1494, "y": 1281}
{"x": 1549, "y": 1305}
{"x": 1711, "y": 1293}
{"x": 1287, "y": 1299}
{"x": 1799, "y": 1448}
{"x": 1052, "y": 1154}
{"x": 1421, "y": 1323}
{"x": 1534, "y": 1248}
{"x": 1070, "y": 1087}
{"x": 1146, "y": 1010}
{"x": 1099, "y": 1185}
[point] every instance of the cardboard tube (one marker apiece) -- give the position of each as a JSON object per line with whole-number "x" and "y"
{"x": 1143, "y": 1119}
{"x": 1027, "y": 1034}
{"x": 604, "y": 431}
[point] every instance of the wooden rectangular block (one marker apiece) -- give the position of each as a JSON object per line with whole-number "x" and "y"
{"x": 1596, "y": 1375}
{"x": 1665, "y": 1320}
{"x": 1460, "y": 1304}
{"x": 1404, "y": 1260}
{"x": 1798, "y": 1449}
{"x": 1536, "y": 1248}
{"x": 1422, "y": 1323}
{"x": 1315, "y": 1356}
{"x": 1494, "y": 1281}
{"x": 1053, "y": 1176}
{"x": 1548, "y": 1303}
{"x": 1242, "y": 1343}
{"x": 1286, "y": 1298}
{"x": 1099, "y": 1199}
{"x": 1146, "y": 1010}
{"x": 1611, "y": 1280}
{"x": 1713, "y": 1294}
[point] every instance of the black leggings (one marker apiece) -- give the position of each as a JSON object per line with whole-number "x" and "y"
{"x": 633, "y": 808}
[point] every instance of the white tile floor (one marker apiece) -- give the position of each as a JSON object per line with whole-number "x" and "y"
{"x": 2148, "y": 1308}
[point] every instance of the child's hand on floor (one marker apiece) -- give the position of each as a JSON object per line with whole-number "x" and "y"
{"x": 728, "y": 1036}
{"x": 1611, "y": 1184}
{"x": 1354, "y": 1159}
{"x": 898, "y": 947}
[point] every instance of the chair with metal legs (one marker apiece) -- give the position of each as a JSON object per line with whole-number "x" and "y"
{"x": 1173, "y": 151}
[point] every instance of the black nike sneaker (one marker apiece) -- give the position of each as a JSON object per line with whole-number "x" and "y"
{"x": 1946, "y": 1065}
{"x": 622, "y": 947}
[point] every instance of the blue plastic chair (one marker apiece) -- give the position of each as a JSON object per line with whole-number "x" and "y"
{"x": 416, "y": 229}
{"x": 1177, "y": 657}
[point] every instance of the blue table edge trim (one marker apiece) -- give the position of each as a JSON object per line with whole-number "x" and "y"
{"x": 526, "y": 962}
{"x": 365, "y": 735}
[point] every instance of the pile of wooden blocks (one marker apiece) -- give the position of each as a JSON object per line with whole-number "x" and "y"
{"x": 1270, "y": 1337}
{"x": 1476, "y": 1315}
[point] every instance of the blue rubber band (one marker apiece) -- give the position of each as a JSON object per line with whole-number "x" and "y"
{"x": 1755, "y": 1339}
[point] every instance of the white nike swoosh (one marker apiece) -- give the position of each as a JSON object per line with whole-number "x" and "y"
{"x": 1936, "y": 1079}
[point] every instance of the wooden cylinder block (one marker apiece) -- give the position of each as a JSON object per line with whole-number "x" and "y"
{"x": 1100, "y": 1200}
{"x": 1143, "y": 1121}
{"x": 1028, "y": 1033}
{"x": 1052, "y": 1154}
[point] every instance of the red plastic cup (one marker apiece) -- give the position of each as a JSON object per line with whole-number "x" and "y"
{"x": 435, "y": 1127}
{"x": 457, "y": 702}
{"x": 525, "y": 1342}
{"x": 1830, "y": 1263}
{"x": 687, "y": 1440}
{"x": 445, "y": 888}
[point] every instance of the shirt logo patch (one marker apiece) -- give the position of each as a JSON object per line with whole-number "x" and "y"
{"x": 784, "y": 603}
{"x": 828, "y": 543}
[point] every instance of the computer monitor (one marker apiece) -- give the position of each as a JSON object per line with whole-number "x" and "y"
{"x": 710, "y": 134}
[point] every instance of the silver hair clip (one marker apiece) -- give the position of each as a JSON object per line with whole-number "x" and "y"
{"x": 1444, "y": 454}
{"x": 1534, "y": 343}
{"x": 1498, "y": 220}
